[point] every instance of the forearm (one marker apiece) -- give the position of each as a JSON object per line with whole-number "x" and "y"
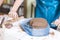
{"x": 1, "y": 1}
{"x": 16, "y": 5}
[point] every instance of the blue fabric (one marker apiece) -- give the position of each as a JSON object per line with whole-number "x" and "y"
{"x": 47, "y": 9}
{"x": 33, "y": 32}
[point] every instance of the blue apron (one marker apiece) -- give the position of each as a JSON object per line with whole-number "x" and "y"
{"x": 47, "y": 9}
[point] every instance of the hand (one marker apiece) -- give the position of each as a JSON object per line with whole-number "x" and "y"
{"x": 9, "y": 23}
{"x": 13, "y": 14}
{"x": 34, "y": 3}
{"x": 57, "y": 22}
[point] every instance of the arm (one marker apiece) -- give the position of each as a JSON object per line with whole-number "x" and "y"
{"x": 15, "y": 7}
{"x": 1, "y": 1}
{"x": 57, "y": 21}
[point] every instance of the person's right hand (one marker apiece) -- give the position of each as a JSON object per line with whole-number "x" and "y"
{"x": 13, "y": 14}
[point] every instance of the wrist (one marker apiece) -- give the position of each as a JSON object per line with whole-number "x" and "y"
{"x": 13, "y": 10}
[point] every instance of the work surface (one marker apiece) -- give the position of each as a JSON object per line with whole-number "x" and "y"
{"x": 16, "y": 33}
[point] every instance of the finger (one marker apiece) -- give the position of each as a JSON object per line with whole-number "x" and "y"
{"x": 59, "y": 25}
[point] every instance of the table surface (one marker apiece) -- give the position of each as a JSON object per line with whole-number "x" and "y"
{"x": 16, "y": 33}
